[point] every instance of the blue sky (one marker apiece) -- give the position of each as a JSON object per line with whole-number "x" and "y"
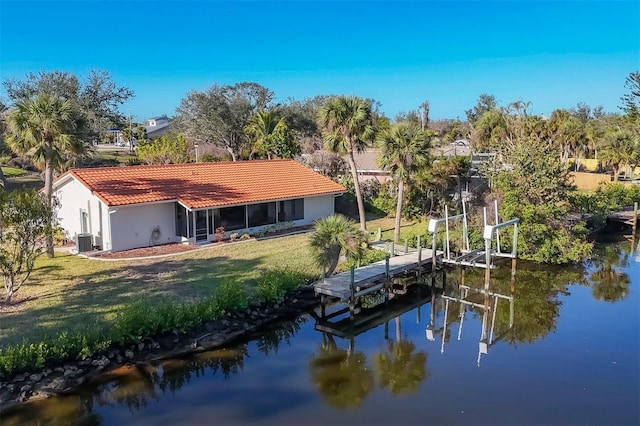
{"x": 551, "y": 53}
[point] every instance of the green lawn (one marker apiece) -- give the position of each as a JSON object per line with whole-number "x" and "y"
{"x": 69, "y": 292}
{"x": 13, "y": 171}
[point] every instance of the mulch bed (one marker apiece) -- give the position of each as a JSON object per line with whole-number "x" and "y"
{"x": 172, "y": 248}
{"x": 149, "y": 251}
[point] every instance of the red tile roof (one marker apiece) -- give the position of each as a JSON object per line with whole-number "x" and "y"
{"x": 202, "y": 185}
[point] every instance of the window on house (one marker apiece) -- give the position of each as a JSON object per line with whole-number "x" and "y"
{"x": 181, "y": 222}
{"x": 261, "y": 214}
{"x": 231, "y": 218}
{"x": 84, "y": 221}
{"x": 291, "y": 210}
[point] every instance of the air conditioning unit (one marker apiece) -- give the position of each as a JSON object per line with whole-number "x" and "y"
{"x": 84, "y": 242}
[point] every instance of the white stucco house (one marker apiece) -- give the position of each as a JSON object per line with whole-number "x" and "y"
{"x": 121, "y": 208}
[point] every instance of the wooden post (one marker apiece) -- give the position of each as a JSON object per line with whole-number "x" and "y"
{"x": 418, "y": 243}
{"x": 386, "y": 279}
{"x": 635, "y": 218}
{"x": 323, "y": 307}
{"x": 352, "y": 306}
{"x": 406, "y": 246}
{"x": 324, "y": 273}
{"x": 379, "y": 236}
{"x": 392, "y": 250}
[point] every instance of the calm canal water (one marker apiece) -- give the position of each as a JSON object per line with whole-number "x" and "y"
{"x": 567, "y": 353}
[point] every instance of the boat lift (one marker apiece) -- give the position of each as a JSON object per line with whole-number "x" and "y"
{"x": 481, "y": 257}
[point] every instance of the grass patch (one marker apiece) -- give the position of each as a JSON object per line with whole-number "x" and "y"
{"x": 68, "y": 291}
{"x": 13, "y": 172}
{"x": 387, "y": 224}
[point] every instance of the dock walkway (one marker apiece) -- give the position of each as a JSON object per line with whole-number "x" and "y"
{"x": 371, "y": 277}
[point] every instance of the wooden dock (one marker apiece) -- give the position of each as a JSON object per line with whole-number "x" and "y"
{"x": 375, "y": 276}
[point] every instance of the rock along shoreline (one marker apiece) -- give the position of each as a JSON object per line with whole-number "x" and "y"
{"x": 19, "y": 389}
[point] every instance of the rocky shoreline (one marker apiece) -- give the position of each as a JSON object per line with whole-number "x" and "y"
{"x": 50, "y": 381}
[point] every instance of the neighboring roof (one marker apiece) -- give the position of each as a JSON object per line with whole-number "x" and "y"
{"x": 157, "y": 130}
{"x": 367, "y": 161}
{"x": 158, "y": 117}
{"x": 202, "y": 185}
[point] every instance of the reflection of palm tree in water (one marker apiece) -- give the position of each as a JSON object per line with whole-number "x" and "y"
{"x": 399, "y": 369}
{"x": 608, "y": 282}
{"x": 342, "y": 376}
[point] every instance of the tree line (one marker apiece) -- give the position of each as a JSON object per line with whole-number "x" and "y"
{"x": 55, "y": 118}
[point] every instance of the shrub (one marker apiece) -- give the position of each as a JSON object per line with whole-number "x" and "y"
{"x": 245, "y": 237}
{"x": 273, "y": 284}
{"x": 231, "y": 296}
{"x": 234, "y": 236}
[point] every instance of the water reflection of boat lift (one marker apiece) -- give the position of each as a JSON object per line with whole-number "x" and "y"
{"x": 490, "y": 304}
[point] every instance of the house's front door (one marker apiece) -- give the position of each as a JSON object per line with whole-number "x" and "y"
{"x": 201, "y": 225}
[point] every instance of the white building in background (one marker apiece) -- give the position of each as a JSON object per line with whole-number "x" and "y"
{"x": 157, "y": 126}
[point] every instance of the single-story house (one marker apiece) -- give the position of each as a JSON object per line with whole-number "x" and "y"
{"x": 122, "y": 208}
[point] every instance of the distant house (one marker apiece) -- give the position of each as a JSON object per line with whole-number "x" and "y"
{"x": 367, "y": 165}
{"x": 156, "y": 126}
{"x": 121, "y": 208}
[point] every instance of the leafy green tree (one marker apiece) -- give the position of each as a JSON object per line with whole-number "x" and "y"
{"x": 485, "y": 103}
{"x": 348, "y": 124}
{"x": 405, "y": 150}
{"x": 25, "y": 218}
{"x": 302, "y": 119}
{"x": 44, "y": 127}
{"x": 271, "y": 136}
{"x": 167, "y": 149}
{"x": 332, "y": 236}
{"x": 536, "y": 189}
{"x": 221, "y": 114}
{"x": 96, "y": 100}
{"x": 631, "y": 100}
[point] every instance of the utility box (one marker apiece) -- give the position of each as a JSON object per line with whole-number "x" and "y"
{"x": 84, "y": 242}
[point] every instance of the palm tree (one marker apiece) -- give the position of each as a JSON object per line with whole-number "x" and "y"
{"x": 621, "y": 149}
{"x": 43, "y": 126}
{"x": 404, "y": 152}
{"x": 261, "y": 127}
{"x": 333, "y": 235}
{"x": 348, "y": 127}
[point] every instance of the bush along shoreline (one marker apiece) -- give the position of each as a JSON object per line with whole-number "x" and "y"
{"x": 146, "y": 332}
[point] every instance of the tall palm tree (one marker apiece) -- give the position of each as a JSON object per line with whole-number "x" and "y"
{"x": 333, "y": 235}
{"x": 43, "y": 127}
{"x": 404, "y": 152}
{"x": 348, "y": 127}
